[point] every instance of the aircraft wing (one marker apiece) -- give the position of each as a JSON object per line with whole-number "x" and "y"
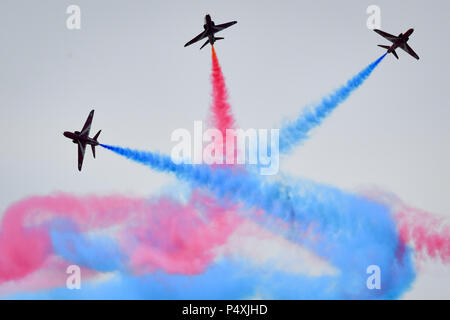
{"x": 87, "y": 124}
{"x": 222, "y": 26}
{"x": 197, "y": 38}
{"x": 408, "y": 49}
{"x": 81, "y": 150}
{"x": 386, "y": 35}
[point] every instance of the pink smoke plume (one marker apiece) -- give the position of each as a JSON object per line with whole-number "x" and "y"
{"x": 221, "y": 112}
{"x": 177, "y": 239}
{"x": 222, "y": 117}
{"x": 161, "y": 234}
{"x": 427, "y": 233}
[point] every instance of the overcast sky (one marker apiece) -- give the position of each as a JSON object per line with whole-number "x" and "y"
{"x": 128, "y": 62}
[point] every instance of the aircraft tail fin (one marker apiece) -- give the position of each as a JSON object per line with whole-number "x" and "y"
{"x": 219, "y": 38}
{"x": 95, "y": 139}
{"x": 96, "y": 136}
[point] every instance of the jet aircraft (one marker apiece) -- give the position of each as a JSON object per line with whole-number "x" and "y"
{"x": 210, "y": 30}
{"x": 82, "y": 139}
{"x": 399, "y": 41}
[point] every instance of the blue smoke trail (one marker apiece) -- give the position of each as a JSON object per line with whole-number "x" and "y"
{"x": 295, "y": 132}
{"x": 224, "y": 181}
{"x": 222, "y": 280}
{"x": 353, "y": 231}
{"x": 96, "y": 252}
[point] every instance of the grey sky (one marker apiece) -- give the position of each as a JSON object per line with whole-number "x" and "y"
{"x": 128, "y": 62}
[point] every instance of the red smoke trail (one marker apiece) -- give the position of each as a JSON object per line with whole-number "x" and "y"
{"x": 221, "y": 114}
{"x": 181, "y": 234}
{"x": 222, "y": 117}
{"x": 429, "y": 235}
{"x": 177, "y": 239}
{"x": 24, "y": 223}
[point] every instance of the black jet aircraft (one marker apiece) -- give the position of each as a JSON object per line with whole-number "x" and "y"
{"x": 82, "y": 139}
{"x": 399, "y": 41}
{"x": 210, "y": 29}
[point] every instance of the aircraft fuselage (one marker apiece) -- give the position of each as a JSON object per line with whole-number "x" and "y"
{"x": 76, "y": 136}
{"x": 403, "y": 38}
{"x": 208, "y": 26}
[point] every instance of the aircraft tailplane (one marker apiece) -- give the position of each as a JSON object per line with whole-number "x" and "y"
{"x": 207, "y": 41}
{"x": 395, "y": 53}
{"x": 387, "y": 47}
